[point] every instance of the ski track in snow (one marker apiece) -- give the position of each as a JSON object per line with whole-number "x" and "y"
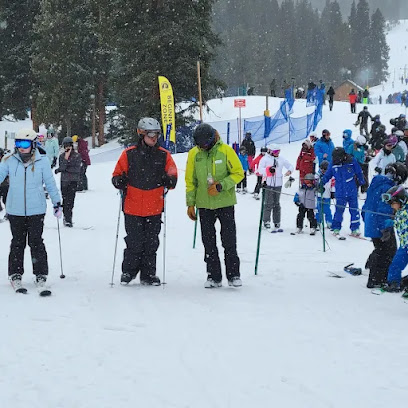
{"x": 290, "y": 337}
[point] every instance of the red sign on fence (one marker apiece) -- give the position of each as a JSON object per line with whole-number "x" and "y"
{"x": 239, "y": 103}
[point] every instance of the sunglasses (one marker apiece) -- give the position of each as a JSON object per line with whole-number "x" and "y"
{"x": 22, "y": 144}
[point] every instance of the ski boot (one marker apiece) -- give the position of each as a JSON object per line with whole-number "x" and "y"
{"x": 277, "y": 228}
{"x": 312, "y": 231}
{"x": 299, "y": 230}
{"x": 244, "y": 190}
{"x": 235, "y": 282}
{"x": 392, "y": 287}
{"x": 126, "y": 278}
{"x": 267, "y": 224}
{"x": 211, "y": 283}
{"x": 151, "y": 280}
{"x": 256, "y": 196}
{"x": 355, "y": 233}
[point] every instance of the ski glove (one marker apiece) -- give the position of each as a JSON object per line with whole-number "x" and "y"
{"x": 120, "y": 182}
{"x": 54, "y": 162}
{"x": 56, "y": 171}
{"x": 378, "y": 170}
{"x": 191, "y": 213}
{"x": 288, "y": 184}
{"x": 214, "y": 189}
{"x": 58, "y": 210}
{"x": 386, "y": 234}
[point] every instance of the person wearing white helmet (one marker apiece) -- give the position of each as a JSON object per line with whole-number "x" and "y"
{"x": 26, "y": 206}
{"x": 271, "y": 167}
{"x": 144, "y": 172}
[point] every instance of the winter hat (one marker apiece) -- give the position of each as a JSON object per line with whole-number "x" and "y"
{"x": 365, "y": 108}
{"x": 325, "y": 132}
{"x": 324, "y": 165}
{"x": 307, "y": 143}
{"x": 361, "y": 140}
{"x": 397, "y": 171}
{"x": 338, "y": 155}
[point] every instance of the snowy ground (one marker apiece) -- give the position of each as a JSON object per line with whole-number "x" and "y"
{"x": 290, "y": 337}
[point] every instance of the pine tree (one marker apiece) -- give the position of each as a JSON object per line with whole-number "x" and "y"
{"x": 379, "y": 49}
{"x": 16, "y": 34}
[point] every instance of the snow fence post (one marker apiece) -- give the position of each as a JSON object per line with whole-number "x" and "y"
{"x": 259, "y": 231}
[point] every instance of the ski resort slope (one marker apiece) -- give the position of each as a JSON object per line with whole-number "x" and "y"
{"x": 291, "y": 337}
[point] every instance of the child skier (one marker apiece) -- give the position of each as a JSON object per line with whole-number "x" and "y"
{"x": 324, "y": 197}
{"x": 305, "y": 199}
{"x": 397, "y": 197}
{"x": 306, "y": 160}
{"x": 344, "y": 168}
{"x": 254, "y": 167}
{"x": 243, "y": 158}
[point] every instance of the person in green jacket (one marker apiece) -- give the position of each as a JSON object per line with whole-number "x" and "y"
{"x": 213, "y": 170}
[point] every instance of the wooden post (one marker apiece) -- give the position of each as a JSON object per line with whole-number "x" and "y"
{"x": 93, "y": 122}
{"x": 101, "y": 109}
{"x": 200, "y": 99}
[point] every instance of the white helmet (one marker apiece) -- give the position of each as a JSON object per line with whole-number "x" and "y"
{"x": 361, "y": 140}
{"x": 274, "y": 146}
{"x": 26, "y": 134}
{"x": 149, "y": 124}
{"x": 399, "y": 133}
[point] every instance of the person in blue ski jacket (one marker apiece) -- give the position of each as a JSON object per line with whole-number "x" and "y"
{"x": 26, "y": 205}
{"x": 348, "y": 141}
{"x": 345, "y": 169}
{"x": 397, "y": 197}
{"x": 324, "y": 147}
{"x": 376, "y": 214}
{"x": 243, "y": 158}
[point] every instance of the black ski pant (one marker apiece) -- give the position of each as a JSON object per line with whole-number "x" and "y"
{"x": 226, "y": 216}
{"x": 331, "y": 104}
{"x": 83, "y": 179}
{"x": 142, "y": 243}
{"x": 272, "y": 204}
{"x": 22, "y": 229}
{"x": 243, "y": 182}
{"x": 68, "y": 191}
{"x": 364, "y": 168}
{"x": 380, "y": 259}
{"x": 353, "y": 107}
{"x": 258, "y": 184}
{"x": 310, "y": 216}
{"x": 3, "y": 196}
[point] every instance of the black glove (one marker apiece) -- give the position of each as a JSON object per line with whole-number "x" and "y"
{"x": 54, "y": 162}
{"x": 168, "y": 182}
{"x": 272, "y": 170}
{"x": 56, "y": 171}
{"x": 386, "y": 234}
{"x": 378, "y": 170}
{"x": 120, "y": 182}
{"x": 301, "y": 206}
{"x": 332, "y": 195}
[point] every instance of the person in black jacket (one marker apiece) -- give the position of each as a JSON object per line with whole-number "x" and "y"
{"x": 70, "y": 168}
{"x": 362, "y": 120}
{"x": 399, "y": 122}
{"x": 249, "y": 145}
{"x": 331, "y": 94}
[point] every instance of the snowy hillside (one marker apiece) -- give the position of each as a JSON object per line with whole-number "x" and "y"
{"x": 291, "y": 337}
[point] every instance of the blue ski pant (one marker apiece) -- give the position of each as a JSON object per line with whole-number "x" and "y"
{"x": 341, "y": 203}
{"x": 398, "y": 264}
{"x": 326, "y": 210}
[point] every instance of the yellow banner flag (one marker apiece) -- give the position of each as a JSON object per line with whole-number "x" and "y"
{"x": 167, "y": 110}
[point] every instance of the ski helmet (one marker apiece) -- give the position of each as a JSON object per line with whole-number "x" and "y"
{"x": 365, "y": 108}
{"x": 204, "y": 136}
{"x": 274, "y": 149}
{"x": 324, "y": 165}
{"x": 398, "y": 171}
{"x": 26, "y": 134}
{"x": 402, "y": 116}
{"x": 399, "y": 134}
{"x": 309, "y": 177}
{"x": 325, "y": 132}
{"x": 391, "y": 140}
{"x": 313, "y": 137}
{"x": 361, "y": 140}
{"x": 396, "y": 194}
{"x": 148, "y": 124}
{"x": 338, "y": 155}
{"x": 67, "y": 141}
{"x": 75, "y": 138}
{"x": 307, "y": 143}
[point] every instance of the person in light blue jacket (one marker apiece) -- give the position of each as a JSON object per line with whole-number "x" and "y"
{"x": 324, "y": 147}
{"x": 348, "y": 141}
{"x": 26, "y": 205}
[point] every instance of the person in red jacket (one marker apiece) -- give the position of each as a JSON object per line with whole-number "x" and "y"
{"x": 143, "y": 172}
{"x": 86, "y": 161}
{"x": 353, "y": 100}
{"x": 254, "y": 167}
{"x": 305, "y": 162}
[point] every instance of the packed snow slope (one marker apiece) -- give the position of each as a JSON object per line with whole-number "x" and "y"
{"x": 291, "y": 337}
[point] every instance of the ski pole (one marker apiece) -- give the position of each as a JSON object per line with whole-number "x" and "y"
{"x": 259, "y": 231}
{"x": 116, "y": 241}
{"x": 322, "y": 222}
{"x": 195, "y": 228}
{"x": 164, "y": 238}
{"x": 62, "y": 276}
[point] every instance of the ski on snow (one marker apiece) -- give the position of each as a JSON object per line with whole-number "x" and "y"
{"x": 43, "y": 291}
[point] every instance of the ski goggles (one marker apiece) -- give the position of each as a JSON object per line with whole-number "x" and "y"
{"x": 151, "y": 133}
{"x": 274, "y": 152}
{"x": 22, "y": 144}
{"x": 389, "y": 198}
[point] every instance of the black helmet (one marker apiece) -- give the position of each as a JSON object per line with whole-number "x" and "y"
{"x": 325, "y": 132}
{"x": 67, "y": 141}
{"x": 264, "y": 149}
{"x": 399, "y": 172}
{"x": 204, "y": 136}
{"x": 338, "y": 155}
{"x": 396, "y": 194}
{"x": 324, "y": 165}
